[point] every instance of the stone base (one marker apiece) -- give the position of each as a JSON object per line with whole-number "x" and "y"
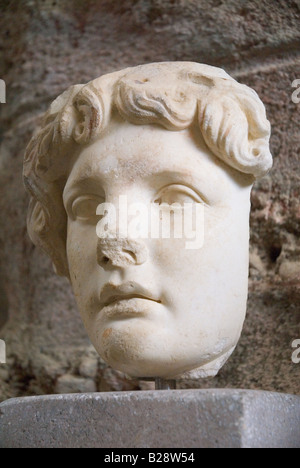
{"x": 153, "y": 419}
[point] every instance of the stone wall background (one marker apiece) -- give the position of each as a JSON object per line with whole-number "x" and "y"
{"x": 45, "y": 46}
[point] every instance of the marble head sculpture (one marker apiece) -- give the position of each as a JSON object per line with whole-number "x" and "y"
{"x": 163, "y": 135}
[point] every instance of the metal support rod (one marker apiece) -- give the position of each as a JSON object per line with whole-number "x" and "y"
{"x": 163, "y": 384}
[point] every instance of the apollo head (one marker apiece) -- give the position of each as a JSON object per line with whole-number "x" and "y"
{"x": 174, "y": 139}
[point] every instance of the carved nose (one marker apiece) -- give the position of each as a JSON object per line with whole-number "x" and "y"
{"x": 121, "y": 252}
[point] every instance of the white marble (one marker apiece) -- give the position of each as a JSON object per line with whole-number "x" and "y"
{"x": 152, "y": 136}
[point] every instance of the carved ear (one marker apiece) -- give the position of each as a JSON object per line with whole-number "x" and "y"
{"x": 235, "y": 128}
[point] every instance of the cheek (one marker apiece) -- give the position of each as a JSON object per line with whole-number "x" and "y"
{"x": 81, "y": 252}
{"x": 186, "y": 255}
{"x": 179, "y": 272}
{"x": 211, "y": 273}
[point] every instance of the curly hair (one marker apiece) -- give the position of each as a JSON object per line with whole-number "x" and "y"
{"x": 175, "y": 95}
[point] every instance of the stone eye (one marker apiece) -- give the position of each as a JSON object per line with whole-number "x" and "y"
{"x": 179, "y": 194}
{"x": 84, "y": 208}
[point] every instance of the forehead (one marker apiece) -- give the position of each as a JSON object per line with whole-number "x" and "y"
{"x": 128, "y": 153}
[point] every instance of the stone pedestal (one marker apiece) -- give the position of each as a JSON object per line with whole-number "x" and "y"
{"x": 153, "y": 419}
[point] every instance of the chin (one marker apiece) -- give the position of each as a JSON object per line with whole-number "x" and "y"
{"x": 138, "y": 350}
{"x": 145, "y": 366}
{"x": 142, "y": 350}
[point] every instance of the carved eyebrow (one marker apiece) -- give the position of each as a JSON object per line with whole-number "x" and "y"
{"x": 171, "y": 177}
{"x": 83, "y": 184}
{"x": 82, "y": 180}
{"x": 210, "y": 189}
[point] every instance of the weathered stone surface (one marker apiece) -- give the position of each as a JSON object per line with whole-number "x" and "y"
{"x": 46, "y": 46}
{"x": 161, "y": 419}
{"x": 89, "y": 367}
{"x": 73, "y": 384}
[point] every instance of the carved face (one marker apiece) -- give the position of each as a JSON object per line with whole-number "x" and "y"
{"x": 153, "y": 307}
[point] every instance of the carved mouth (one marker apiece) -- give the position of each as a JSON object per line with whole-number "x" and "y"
{"x": 112, "y": 294}
{"x": 114, "y": 299}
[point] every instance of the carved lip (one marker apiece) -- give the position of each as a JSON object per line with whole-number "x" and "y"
{"x": 112, "y": 294}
